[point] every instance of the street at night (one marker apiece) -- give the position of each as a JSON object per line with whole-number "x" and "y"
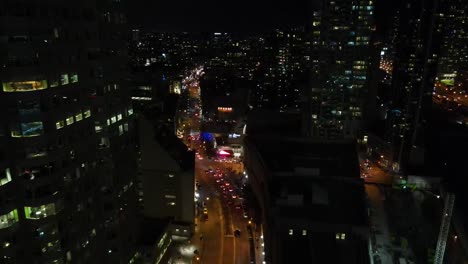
{"x": 247, "y": 132}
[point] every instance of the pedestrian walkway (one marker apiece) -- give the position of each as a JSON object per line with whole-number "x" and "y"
{"x": 257, "y": 245}
{"x": 381, "y": 243}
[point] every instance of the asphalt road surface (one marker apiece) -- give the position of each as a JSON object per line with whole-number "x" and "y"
{"x": 218, "y": 243}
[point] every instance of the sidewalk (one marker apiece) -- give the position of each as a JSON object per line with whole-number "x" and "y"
{"x": 257, "y": 242}
{"x": 381, "y": 243}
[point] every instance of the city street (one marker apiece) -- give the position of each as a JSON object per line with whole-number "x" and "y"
{"x": 217, "y": 218}
{"x": 219, "y": 245}
{"x": 209, "y": 234}
{"x": 373, "y": 173}
{"x": 444, "y": 93}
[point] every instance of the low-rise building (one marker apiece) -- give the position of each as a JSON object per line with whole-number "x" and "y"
{"x": 154, "y": 241}
{"x": 312, "y": 200}
{"x": 167, "y": 176}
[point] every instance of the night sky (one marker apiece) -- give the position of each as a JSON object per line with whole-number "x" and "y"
{"x": 211, "y": 15}
{"x": 239, "y": 15}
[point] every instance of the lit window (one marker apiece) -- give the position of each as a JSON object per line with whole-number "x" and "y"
{"x": 97, "y": 128}
{"x": 87, "y": 113}
{"x": 73, "y": 78}
{"x": 69, "y": 120}
{"x": 291, "y": 232}
{"x": 304, "y": 232}
{"x": 56, "y": 33}
{"x": 119, "y": 117}
{"x": 64, "y": 79}
{"x": 53, "y": 82}
{"x": 39, "y": 212}
{"x": 108, "y": 122}
{"x": 130, "y": 111}
{"x": 31, "y": 129}
{"x": 8, "y": 219}
{"x": 340, "y": 236}
{"x": 5, "y": 177}
{"x": 171, "y": 203}
{"x": 79, "y": 117}
{"x": 113, "y": 119}
{"x": 125, "y": 126}
{"x": 59, "y": 124}
{"x": 24, "y": 86}
{"x": 120, "y": 130}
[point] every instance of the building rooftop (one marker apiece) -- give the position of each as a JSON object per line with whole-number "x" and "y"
{"x": 158, "y": 142}
{"x": 175, "y": 147}
{"x": 322, "y": 248}
{"x": 309, "y": 157}
{"x": 260, "y": 122}
{"x": 314, "y": 180}
{"x": 313, "y": 200}
{"x": 151, "y": 230}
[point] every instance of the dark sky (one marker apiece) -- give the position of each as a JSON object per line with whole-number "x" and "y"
{"x": 211, "y": 15}
{"x": 230, "y": 15}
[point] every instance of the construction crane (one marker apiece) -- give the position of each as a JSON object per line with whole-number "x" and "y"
{"x": 444, "y": 228}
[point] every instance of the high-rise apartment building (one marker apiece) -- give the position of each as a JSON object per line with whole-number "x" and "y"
{"x": 67, "y": 163}
{"x": 279, "y": 71}
{"x": 416, "y": 50}
{"x": 453, "y": 61}
{"x": 339, "y": 60}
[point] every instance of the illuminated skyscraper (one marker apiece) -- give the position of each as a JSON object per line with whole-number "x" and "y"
{"x": 339, "y": 60}
{"x": 66, "y": 146}
{"x": 416, "y": 49}
{"x": 279, "y": 71}
{"x": 453, "y": 61}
